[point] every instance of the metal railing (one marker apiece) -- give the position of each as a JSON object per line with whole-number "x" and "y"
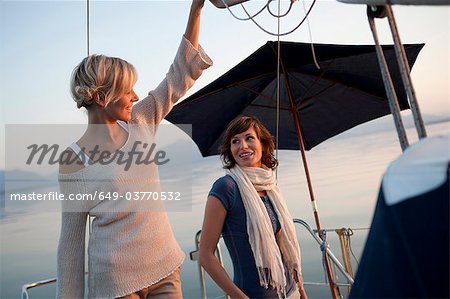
{"x": 194, "y": 256}
{"x": 28, "y": 286}
{"x": 304, "y": 224}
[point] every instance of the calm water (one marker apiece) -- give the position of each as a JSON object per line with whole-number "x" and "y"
{"x": 346, "y": 173}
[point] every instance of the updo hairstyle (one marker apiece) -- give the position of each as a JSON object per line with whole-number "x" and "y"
{"x": 101, "y": 76}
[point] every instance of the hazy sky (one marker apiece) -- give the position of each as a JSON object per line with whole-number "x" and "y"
{"x": 42, "y": 41}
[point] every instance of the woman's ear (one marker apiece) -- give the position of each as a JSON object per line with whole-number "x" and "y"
{"x": 99, "y": 100}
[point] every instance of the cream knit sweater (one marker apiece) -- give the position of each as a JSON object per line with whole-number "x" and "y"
{"x": 128, "y": 250}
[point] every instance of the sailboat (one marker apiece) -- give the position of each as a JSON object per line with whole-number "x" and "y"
{"x": 376, "y": 9}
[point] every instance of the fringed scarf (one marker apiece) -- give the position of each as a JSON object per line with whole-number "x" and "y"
{"x": 265, "y": 249}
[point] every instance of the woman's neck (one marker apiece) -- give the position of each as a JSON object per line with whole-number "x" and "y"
{"x": 104, "y": 130}
{"x": 98, "y": 116}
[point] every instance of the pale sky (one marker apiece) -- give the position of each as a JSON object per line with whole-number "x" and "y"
{"x": 42, "y": 41}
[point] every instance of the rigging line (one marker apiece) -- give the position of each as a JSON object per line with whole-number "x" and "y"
{"x": 280, "y": 34}
{"x": 283, "y": 15}
{"x": 277, "y": 131}
{"x": 310, "y": 38}
{"x": 350, "y": 245}
{"x": 88, "y": 25}
{"x": 249, "y": 17}
{"x": 88, "y": 50}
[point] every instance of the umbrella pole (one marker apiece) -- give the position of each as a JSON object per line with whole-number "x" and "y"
{"x": 335, "y": 292}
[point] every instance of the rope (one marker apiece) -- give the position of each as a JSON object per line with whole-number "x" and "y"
{"x": 88, "y": 51}
{"x": 344, "y": 237}
{"x": 278, "y": 87}
{"x": 350, "y": 245}
{"x": 283, "y": 15}
{"x": 249, "y": 17}
{"x": 280, "y": 34}
{"x": 323, "y": 248}
{"x": 88, "y": 27}
{"x": 311, "y": 39}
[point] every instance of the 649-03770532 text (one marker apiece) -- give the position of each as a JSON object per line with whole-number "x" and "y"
{"x": 129, "y": 195}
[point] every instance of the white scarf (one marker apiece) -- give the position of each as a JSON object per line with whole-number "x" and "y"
{"x": 261, "y": 237}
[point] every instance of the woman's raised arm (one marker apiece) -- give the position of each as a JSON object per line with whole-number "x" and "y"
{"x": 187, "y": 67}
{"x": 193, "y": 25}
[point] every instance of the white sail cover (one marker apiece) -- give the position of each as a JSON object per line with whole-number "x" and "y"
{"x": 422, "y": 167}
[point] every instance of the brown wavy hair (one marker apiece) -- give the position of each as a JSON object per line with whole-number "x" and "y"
{"x": 241, "y": 124}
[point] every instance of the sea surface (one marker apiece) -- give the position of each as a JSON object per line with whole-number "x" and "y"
{"x": 346, "y": 173}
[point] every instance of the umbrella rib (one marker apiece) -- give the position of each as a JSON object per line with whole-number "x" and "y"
{"x": 270, "y": 107}
{"x": 239, "y": 85}
{"x": 304, "y": 98}
{"x": 380, "y": 98}
{"x": 183, "y": 103}
{"x": 253, "y": 105}
{"x": 263, "y": 96}
{"x": 322, "y": 73}
{"x": 212, "y": 143}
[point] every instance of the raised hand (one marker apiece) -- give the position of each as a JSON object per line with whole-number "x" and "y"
{"x": 193, "y": 25}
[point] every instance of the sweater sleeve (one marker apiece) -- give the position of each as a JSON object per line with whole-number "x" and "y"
{"x": 70, "y": 280}
{"x": 71, "y": 247}
{"x": 187, "y": 67}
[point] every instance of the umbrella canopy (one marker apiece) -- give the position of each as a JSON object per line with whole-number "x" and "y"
{"x": 346, "y": 91}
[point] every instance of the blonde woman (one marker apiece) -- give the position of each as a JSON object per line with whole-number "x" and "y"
{"x": 246, "y": 207}
{"x": 131, "y": 254}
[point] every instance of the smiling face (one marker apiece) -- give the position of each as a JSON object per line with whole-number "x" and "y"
{"x": 246, "y": 149}
{"x": 121, "y": 108}
{"x": 248, "y": 143}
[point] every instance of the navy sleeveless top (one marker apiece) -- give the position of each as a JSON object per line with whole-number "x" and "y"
{"x": 234, "y": 233}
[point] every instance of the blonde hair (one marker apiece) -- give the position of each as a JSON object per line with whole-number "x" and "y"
{"x": 101, "y": 76}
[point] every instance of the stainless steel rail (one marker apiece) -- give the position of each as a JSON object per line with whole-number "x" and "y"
{"x": 28, "y": 286}
{"x": 313, "y": 233}
{"x": 194, "y": 255}
{"x": 328, "y": 251}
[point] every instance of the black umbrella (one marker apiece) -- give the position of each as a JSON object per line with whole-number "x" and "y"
{"x": 346, "y": 91}
{"x": 314, "y": 104}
